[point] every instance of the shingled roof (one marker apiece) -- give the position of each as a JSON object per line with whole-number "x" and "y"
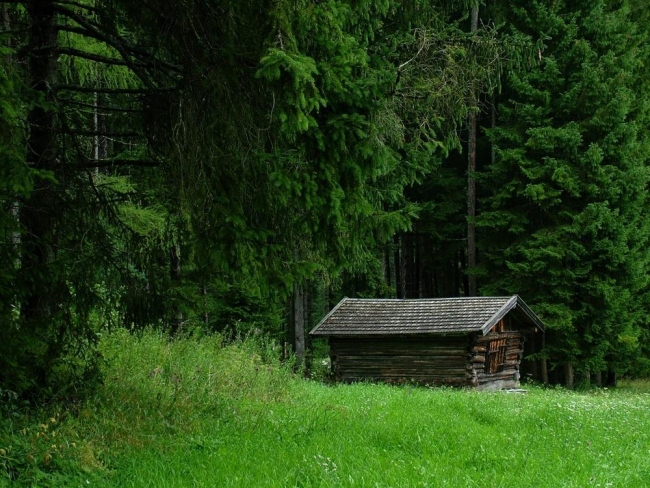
{"x": 378, "y": 317}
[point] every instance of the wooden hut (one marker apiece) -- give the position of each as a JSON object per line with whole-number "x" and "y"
{"x": 469, "y": 341}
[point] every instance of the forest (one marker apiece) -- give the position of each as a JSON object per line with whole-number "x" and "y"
{"x": 239, "y": 166}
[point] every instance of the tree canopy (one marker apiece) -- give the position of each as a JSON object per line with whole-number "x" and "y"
{"x": 238, "y": 166}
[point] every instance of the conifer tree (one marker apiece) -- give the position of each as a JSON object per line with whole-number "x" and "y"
{"x": 440, "y": 94}
{"x": 67, "y": 223}
{"x": 564, "y": 222}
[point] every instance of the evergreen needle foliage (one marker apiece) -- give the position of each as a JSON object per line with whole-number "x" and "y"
{"x": 237, "y": 166}
{"x": 564, "y": 214}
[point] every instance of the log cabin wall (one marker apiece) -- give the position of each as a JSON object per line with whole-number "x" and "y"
{"x": 432, "y": 341}
{"x": 437, "y": 360}
{"x": 495, "y": 360}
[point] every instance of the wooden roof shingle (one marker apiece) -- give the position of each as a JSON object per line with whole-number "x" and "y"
{"x": 373, "y": 317}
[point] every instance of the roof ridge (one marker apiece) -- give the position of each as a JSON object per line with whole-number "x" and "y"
{"x": 503, "y": 297}
{"x": 380, "y": 316}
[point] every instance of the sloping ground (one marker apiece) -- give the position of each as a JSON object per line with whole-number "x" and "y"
{"x": 197, "y": 413}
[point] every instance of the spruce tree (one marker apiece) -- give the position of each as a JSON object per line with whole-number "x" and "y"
{"x": 69, "y": 236}
{"x": 563, "y": 223}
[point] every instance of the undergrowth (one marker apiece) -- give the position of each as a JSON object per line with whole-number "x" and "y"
{"x": 198, "y": 412}
{"x": 154, "y": 388}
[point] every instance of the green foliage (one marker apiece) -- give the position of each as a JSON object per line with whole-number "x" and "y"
{"x": 69, "y": 249}
{"x": 383, "y": 102}
{"x": 154, "y": 387}
{"x": 245, "y": 147}
{"x": 309, "y": 177}
{"x": 564, "y": 221}
{"x": 15, "y": 181}
{"x": 49, "y": 357}
{"x": 198, "y": 411}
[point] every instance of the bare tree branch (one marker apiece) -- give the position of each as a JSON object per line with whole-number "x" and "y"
{"x": 101, "y": 108}
{"x": 423, "y": 44}
{"x": 81, "y": 132}
{"x": 143, "y": 57}
{"x": 78, "y": 5}
{"x": 124, "y": 91}
{"x": 126, "y": 51}
{"x": 137, "y": 70}
{"x": 103, "y": 163}
{"x": 92, "y": 57}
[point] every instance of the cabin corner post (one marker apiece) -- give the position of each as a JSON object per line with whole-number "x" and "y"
{"x": 476, "y": 358}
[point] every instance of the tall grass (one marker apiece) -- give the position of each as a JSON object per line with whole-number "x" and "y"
{"x": 196, "y": 412}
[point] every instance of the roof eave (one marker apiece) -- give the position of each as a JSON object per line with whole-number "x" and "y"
{"x": 314, "y": 331}
{"x": 398, "y": 334}
{"x": 513, "y": 303}
{"x": 502, "y": 312}
{"x": 530, "y": 314}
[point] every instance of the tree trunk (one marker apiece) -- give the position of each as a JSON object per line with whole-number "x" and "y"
{"x": 299, "y": 323}
{"x": 461, "y": 277}
{"x": 417, "y": 267}
{"x": 204, "y": 295}
{"x": 6, "y": 22}
{"x": 598, "y": 378}
{"x": 424, "y": 275}
{"x": 471, "y": 183}
{"x": 474, "y": 18}
{"x": 435, "y": 286}
{"x": 544, "y": 371}
{"x": 493, "y": 124}
{"x": 387, "y": 275}
{"x": 408, "y": 256}
{"x": 100, "y": 142}
{"x": 96, "y": 129}
{"x": 38, "y": 211}
{"x": 612, "y": 378}
{"x": 568, "y": 376}
{"x": 307, "y": 314}
{"x": 543, "y": 362}
{"x": 175, "y": 276}
{"x": 399, "y": 271}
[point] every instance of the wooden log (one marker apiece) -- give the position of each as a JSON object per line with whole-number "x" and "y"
{"x": 401, "y": 358}
{"x": 405, "y": 372}
{"x": 398, "y": 352}
{"x": 502, "y": 335}
{"x": 401, "y": 379}
{"x": 502, "y": 374}
{"x": 454, "y": 360}
{"x": 498, "y": 385}
{"x": 387, "y": 361}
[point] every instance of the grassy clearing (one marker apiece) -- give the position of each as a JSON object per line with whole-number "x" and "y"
{"x": 195, "y": 413}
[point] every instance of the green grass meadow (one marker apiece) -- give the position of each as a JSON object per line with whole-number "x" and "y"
{"x": 197, "y": 413}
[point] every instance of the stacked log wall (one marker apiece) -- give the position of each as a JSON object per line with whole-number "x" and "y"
{"x": 507, "y": 374}
{"x": 440, "y": 360}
